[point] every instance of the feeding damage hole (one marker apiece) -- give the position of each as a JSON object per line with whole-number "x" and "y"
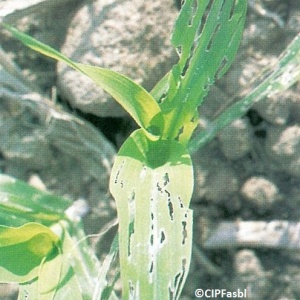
{"x": 162, "y": 237}
{"x": 178, "y": 281}
{"x": 131, "y": 208}
{"x": 184, "y": 232}
{"x": 26, "y": 295}
{"x": 212, "y": 38}
{"x": 160, "y": 189}
{"x": 151, "y": 267}
{"x": 171, "y": 209}
{"x": 131, "y": 290}
{"x": 222, "y": 67}
{"x": 151, "y": 239}
{"x": 166, "y": 179}
{"x": 130, "y": 233}
{"x": 170, "y": 205}
{"x": 162, "y": 98}
{"x": 117, "y": 179}
{"x": 193, "y": 13}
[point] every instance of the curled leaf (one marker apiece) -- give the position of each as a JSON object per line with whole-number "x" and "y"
{"x": 22, "y": 249}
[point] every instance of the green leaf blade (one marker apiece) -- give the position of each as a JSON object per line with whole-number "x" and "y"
{"x": 38, "y": 46}
{"x": 21, "y": 203}
{"x": 22, "y": 250}
{"x": 207, "y": 56}
{"x": 56, "y": 278}
{"x": 134, "y": 99}
{"x": 152, "y": 190}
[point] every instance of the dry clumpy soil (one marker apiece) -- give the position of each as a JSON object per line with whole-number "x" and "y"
{"x": 246, "y": 200}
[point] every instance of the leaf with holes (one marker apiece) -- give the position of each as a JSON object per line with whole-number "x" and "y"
{"x": 152, "y": 178}
{"x": 152, "y": 183}
{"x": 206, "y": 35}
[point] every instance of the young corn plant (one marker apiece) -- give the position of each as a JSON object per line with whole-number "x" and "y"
{"x": 152, "y": 177}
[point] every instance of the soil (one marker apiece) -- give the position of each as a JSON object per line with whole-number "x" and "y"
{"x": 247, "y": 178}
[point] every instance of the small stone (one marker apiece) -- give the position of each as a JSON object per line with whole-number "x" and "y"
{"x": 236, "y": 139}
{"x": 260, "y": 191}
{"x": 215, "y": 180}
{"x": 250, "y": 275}
{"x": 283, "y": 146}
{"x": 273, "y": 109}
{"x": 247, "y": 264}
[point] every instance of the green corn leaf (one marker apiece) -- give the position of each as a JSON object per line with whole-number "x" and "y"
{"x": 104, "y": 288}
{"x": 152, "y": 183}
{"x": 28, "y": 290}
{"x": 134, "y": 99}
{"x": 56, "y": 277}
{"x": 22, "y": 250}
{"x": 273, "y": 80}
{"x": 60, "y": 277}
{"x": 51, "y": 285}
{"x": 49, "y": 278}
{"x": 161, "y": 88}
{"x": 64, "y": 275}
{"x": 206, "y": 44}
{"x": 21, "y": 203}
